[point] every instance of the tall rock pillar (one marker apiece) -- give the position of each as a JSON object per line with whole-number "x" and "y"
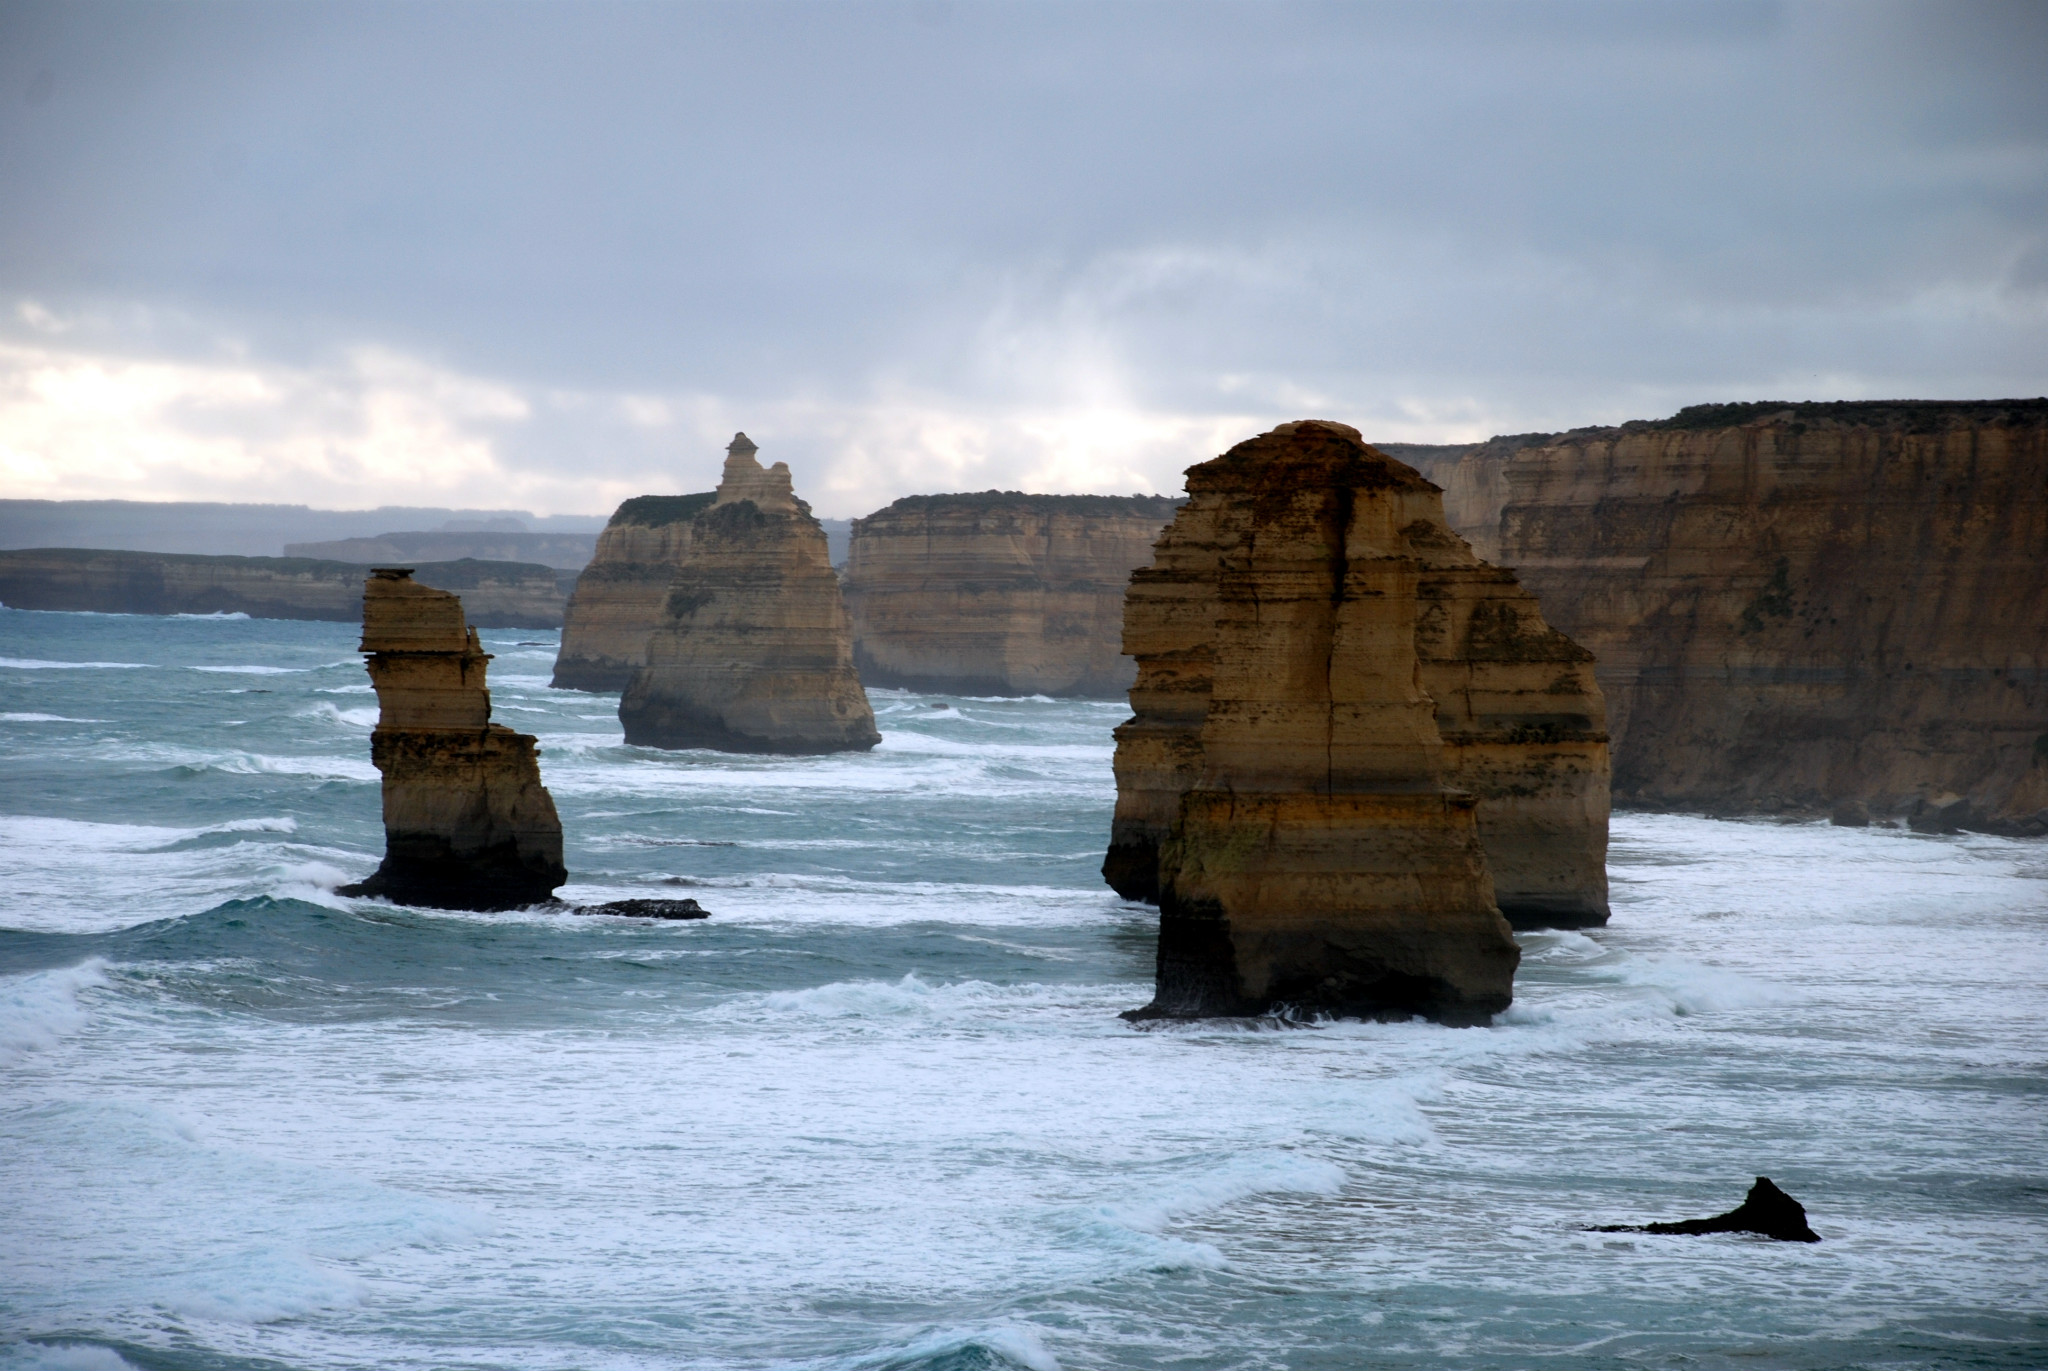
{"x": 467, "y": 822}
{"x": 753, "y": 652}
{"x": 1318, "y": 860}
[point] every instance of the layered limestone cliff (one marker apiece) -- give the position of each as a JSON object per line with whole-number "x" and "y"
{"x": 999, "y": 593}
{"x": 1317, "y": 854}
{"x": 467, "y": 823}
{"x": 1801, "y": 608}
{"x": 618, "y": 600}
{"x": 752, "y": 653}
{"x": 1520, "y": 718}
{"x": 499, "y": 594}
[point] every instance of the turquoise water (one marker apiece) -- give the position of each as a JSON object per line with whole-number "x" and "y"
{"x": 878, "y": 1112}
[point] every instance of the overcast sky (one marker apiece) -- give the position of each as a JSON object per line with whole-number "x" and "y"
{"x": 551, "y": 255}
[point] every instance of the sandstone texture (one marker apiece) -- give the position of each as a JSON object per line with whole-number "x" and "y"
{"x": 467, "y": 823}
{"x": 753, "y": 652}
{"x": 999, "y": 593}
{"x": 1799, "y": 608}
{"x": 498, "y": 594}
{"x": 619, "y": 598}
{"x": 1284, "y": 787}
{"x": 1520, "y": 722}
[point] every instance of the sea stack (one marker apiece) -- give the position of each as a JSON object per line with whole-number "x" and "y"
{"x": 999, "y": 593}
{"x": 617, "y": 603}
{"x": 1520, "y": 719}
{"x": 752, "y": 653}
{"x": 1318, "y": 857}
{"x": 467, "y": 823}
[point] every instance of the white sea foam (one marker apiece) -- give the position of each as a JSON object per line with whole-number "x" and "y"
{"x": 353, "y": 718}
{"x": 38, "y": 664}
{"x": 1264, "y": 1173}
{"x": 256, "y": 670}
{"x": 47, "y": 719}
{"x": 1016, "y": 1345}
{"x": 224, "y": 615}
{"x": 39, "y": 1009}
{"x": 62, "y": 1356}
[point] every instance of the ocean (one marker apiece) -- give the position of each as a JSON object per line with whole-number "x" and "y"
{"x": 879, "y": 1114}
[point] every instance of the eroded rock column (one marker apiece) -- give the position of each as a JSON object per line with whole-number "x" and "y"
{"x": 1319, "y": 859}
{"x": 467, "y": 822}
{"x": 753, "y": 653}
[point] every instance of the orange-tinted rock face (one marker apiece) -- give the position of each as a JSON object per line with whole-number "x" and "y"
{"x": 1518, "y": 716}
{"x": 1316, "y": 856}
{"x": 618, "y": 600}
{"x": 1799, "y": 608}
{"x": 998, "y": 593}
{"x": 467, "y": 823}
{"x": 752, "y": 653}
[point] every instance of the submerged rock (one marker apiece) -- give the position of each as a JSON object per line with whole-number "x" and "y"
{"x": 467, "y": 822}
{"x": 1519, "y": 720}
{"x": 1317, "y": 856}
{"x": 753, "y": 652}
{"x": 1766, "y": 1210}
{"x": 647, "y": 909}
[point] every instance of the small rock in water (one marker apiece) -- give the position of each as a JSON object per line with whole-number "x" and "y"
{"x": 648, "y": 909}
{"x": 1850, "y": 814}
{"x": 1766, "y": 1210}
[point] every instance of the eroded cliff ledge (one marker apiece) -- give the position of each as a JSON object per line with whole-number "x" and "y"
{"x": 1519, "y": 716}
{"x": 467, "y": 823}
{"x": 1315, "y": 852}
{"x": 999, "y": 593}
{"x": 752, "y": 653}
{"x": 618, "y": 600}
{"x": 1799, "y": 607}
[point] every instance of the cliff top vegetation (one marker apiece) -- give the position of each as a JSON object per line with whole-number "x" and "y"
{"x": 658, "y": 511}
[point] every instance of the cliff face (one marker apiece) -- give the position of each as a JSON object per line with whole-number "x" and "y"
{"x": 619, "y": 597}
{"x": 1317, "y": 854}
{"x": 1519, "y": 718}
{"x": 752, "y": 653}
{"x": 998, "y": 593}
{"x": 499, "y": 594}
{"x": 1802, "y": 607}
{"x": 467, "y": 823}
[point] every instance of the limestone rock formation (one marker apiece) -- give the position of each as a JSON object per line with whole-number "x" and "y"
{"x": 1316, "y": 855}
{"x": 1797, "y": 606}
{"x": 1766, "y": 1211}
{"x": 618, "y": 600}
{"x": 752, "y": 653}
{"x": 497, "y": 594}
{"x": 999, "y": 593}
{"x": 1519, "y": 717}
{"x": 467, "y": 823}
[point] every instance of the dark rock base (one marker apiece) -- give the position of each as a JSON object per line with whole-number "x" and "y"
{"x": 647, "y": 909}
{"x": 675, "y": 728}
{"x": 1131, "y": 867}
{"x": 1531, "y": 913}
{"x": 599, "y": 678}
{"x": 1766, "y": 1210}
{"x": 428, "y": 871}
{"x": 1198, "y": 979}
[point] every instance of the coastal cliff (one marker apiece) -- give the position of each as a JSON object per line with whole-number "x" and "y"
{"x": 1520, "y": 721}
{"x": 752, "y": 652}
{"x": 1799, "y": 608}
{"x": 1317, "y": 856}
{"x": 618, "y": 599}
{"x": 998, "y": 593}
{"x": 498, "y": 594}
{"x": 467, "y": 822}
